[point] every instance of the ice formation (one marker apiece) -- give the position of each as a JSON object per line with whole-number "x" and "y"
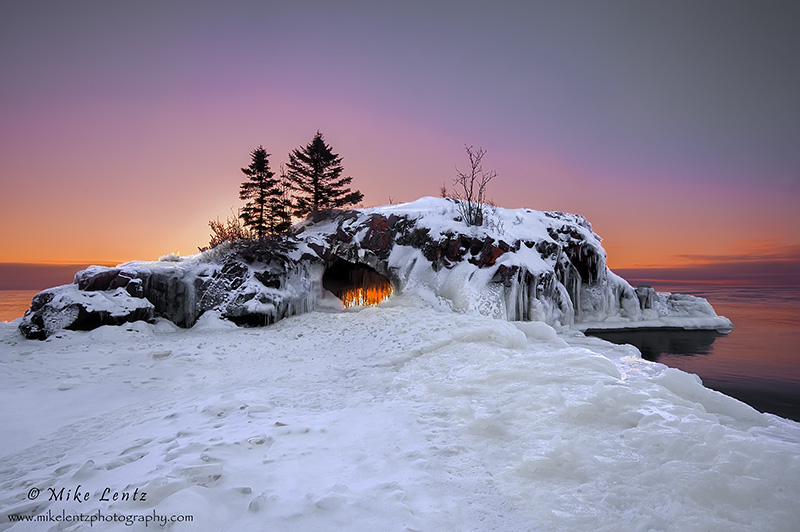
{"x": 520, "y": 265}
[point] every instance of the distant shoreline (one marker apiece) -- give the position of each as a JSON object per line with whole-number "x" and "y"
{"x": 33, "y": 276}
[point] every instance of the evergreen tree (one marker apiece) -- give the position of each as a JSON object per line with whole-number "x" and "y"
{"x": 260, "y": 191}
{"x": 315, "y": 172}
{"x": 280, "y": 205}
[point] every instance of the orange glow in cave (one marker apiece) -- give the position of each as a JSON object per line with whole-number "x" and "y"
{"x": 369, "y": 295}
{"x": 356, "y": 284}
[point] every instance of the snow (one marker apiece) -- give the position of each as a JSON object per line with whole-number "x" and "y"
{"x": 407, "y": 416}
{"x": 442, "y": 216}
{"x": 115, "y": 302}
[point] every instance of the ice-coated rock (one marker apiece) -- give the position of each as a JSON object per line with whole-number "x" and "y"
{"x": 67, "y": 307}
{"x": 520, "y": 265}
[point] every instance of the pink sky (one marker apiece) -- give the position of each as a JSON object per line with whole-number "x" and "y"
{"x": 124, "y": 126}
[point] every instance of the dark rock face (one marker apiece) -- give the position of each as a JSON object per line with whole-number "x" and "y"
{"x": 99, "y": 279}
{"x": 379, "y": 236}
{"x": 166, "y": 289}
{"x": 259, "y": 283}
{"x": 453, "y": 248}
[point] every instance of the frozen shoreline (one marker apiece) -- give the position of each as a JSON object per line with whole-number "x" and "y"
{"x": 716, "y": 323}
{"x": 400, "y": 417}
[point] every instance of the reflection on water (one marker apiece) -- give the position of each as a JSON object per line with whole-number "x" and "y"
{"x": 656, "y": 342}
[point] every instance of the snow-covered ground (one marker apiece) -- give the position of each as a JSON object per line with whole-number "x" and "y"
{"x": 402, "y": 417}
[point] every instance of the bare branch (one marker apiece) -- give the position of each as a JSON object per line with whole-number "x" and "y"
{"x": 231, "y": 230}
{"x": 470, "y": 187}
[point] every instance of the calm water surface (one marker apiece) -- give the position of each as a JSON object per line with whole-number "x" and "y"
{"x": 758, "y": 362}
{"x": 14, "y": 303}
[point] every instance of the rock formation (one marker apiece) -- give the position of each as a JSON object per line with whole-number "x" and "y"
{"x": 520, "y": 265}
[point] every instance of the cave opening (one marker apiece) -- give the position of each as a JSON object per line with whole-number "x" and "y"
{"x": 356, "y": 284}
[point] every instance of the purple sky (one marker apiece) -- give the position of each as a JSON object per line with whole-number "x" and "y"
{"x": 674, "y": 127}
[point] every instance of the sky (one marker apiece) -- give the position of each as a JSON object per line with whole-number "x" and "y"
{"x": 673, "y": 127}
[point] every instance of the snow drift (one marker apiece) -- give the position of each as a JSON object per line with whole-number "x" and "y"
{"x": 520, "y": 265}
{"x": 400, "y": 417}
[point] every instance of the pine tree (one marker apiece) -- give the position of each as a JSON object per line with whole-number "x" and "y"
{"x": 280, "y": 205}
{"x": 315, "y": 172}
{"x": 260, "y": 191}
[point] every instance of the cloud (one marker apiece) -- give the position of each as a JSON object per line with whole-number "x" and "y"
{"x": 762, "y": 264}
{"x": 759, "y": 251}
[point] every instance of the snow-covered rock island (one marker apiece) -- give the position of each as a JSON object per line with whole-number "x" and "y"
{"x": 520, "y": 265}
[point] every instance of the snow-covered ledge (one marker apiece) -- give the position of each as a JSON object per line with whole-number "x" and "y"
{"x": 664, "y": 310}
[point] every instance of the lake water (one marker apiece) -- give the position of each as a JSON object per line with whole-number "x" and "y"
{"x": 14, "y": 303}
{"x": 758, "y": 362}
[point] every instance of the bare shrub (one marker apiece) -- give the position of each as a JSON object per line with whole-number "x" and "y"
{"x": 470, "y": 187}
{"x": 231, "y": 230}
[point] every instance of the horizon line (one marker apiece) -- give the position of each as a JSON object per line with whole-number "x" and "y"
{"x": 42, "y": 275}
